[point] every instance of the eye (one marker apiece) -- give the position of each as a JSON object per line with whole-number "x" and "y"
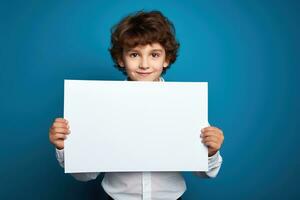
{"x": 155, "y": 55}
{"x": 133, "y": 55}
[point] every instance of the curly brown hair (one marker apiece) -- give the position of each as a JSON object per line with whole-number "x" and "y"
{"x": 142, "y": 28}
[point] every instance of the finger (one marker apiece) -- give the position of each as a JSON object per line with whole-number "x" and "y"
{"x": 210, "y": 133}
{"x": 60, "y": 136}
{"x": 211, "y": 128}
{"x": 218, "y": 137}
{"x": 212, "y": 145}
{"x": 210, "y": 139}
{"x": 61, "y": 130}
{"x": 59, "y": 144}
{"x": 60, "y": 125}
{"x": 61, "y": 120}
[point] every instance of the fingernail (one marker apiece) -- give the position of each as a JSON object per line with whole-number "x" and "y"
{"x": 69, "y": 131}
{"x": 202, "y": 130}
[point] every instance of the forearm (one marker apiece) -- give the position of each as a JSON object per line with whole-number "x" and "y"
{"x": 77, "y": 176}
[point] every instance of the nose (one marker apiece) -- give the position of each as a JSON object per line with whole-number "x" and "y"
{"x": 144, "y": 64}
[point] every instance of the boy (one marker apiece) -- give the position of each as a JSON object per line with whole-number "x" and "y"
{"x": 143, "y": 46}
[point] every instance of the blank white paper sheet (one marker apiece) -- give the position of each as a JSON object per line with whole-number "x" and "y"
{"x": 123, "y": 126}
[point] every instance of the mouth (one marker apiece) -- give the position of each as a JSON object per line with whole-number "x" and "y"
{"x": 144, "y": 73}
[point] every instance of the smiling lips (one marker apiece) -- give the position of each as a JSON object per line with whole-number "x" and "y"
{"x": 144, "y": 73}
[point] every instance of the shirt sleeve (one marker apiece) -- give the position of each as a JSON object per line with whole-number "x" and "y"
{"x": 78, "y": 176}
{"x": 214, "y": 165}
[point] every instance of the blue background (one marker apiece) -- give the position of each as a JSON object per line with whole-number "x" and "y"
{"x": 248, "y": 51}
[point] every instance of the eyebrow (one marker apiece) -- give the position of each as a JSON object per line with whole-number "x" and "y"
{"x": 130, "y": 50}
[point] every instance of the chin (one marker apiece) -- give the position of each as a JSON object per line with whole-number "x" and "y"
{"x": 138, "y": 78}
{"x": 144, "y": 79}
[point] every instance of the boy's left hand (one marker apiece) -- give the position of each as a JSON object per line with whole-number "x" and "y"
{"x": 213, "y": 138}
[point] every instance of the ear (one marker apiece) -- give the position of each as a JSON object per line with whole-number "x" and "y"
{"x": 120, "y": 62}
{"x": 166, "y": 64}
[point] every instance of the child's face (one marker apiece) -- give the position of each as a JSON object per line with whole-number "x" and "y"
{"x": 144, "y": 63}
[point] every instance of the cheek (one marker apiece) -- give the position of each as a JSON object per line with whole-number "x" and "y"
{"x": 131, "y": 65}
{"x": 158, "y": 65}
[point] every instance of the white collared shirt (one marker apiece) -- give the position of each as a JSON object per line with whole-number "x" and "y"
{"x": 145, "y": 185}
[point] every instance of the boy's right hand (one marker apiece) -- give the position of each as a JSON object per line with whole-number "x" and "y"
{"x": 58, "y": 132}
